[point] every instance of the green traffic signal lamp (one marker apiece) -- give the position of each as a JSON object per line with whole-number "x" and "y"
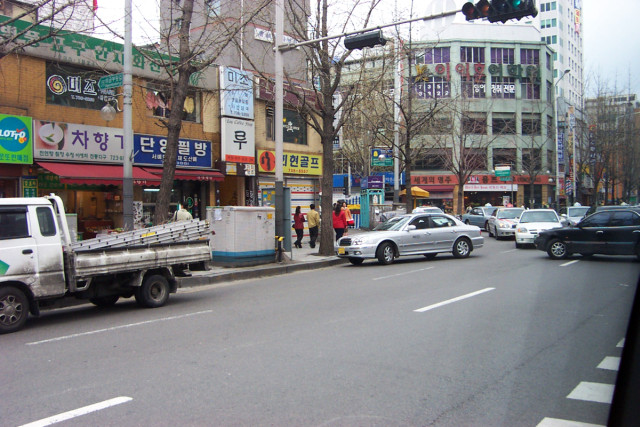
{"x": 499, "y": 10}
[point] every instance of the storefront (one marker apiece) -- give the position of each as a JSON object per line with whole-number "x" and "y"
{"x": 16, "y": 156}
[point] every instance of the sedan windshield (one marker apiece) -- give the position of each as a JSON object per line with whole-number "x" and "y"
{"x": 395, "y": 223}
{"x": 579, "y": 211}
{"x": 510, "y": 214}
{"x": 538, "y": 217}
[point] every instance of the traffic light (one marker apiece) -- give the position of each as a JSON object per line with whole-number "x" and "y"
{"x": 345, "y": 185}
{"x": 369, "y": 39}
{"x": 500, "y": 10}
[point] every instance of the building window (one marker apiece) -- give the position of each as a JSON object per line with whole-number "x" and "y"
{"x": 503, "y": 126}
{"x": 437, "y": 55}
{"x": 294, "y": 127}
{"x": 530, "y": 89}
{"x": 473, "y": 89}
{"x": 434, "y": 160}
{"x": 475, "y": 126}
{"x": 436, "y": 126}
{"x": 213, "y": 8}
{"x": 504, "y": 156}
{"x": 531, "y": 125}
{"x": 529, "y": 56}
{"x": 158, "y": 100}
{"x": 435, "y": 87}
{"x": 503, "y": 87}
{"x": 472, "y": 54}
{"x": 501, "y": 55}
{"x": 531, "y": 159}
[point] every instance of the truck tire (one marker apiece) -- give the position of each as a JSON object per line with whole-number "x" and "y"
{"x": 109, "y": 301}
{"x": 14, "y": 309}
{"x": 154, "y": 291}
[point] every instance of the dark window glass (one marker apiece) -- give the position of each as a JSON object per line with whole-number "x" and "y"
{"x": 529, "y": 56}
{"x": 531, "y": 126}
{"x": 421, "y": 222}
{"x": 46, "y": 221}
{"x": 503, "y": 126}
{"x": 502, "y": 55}
{"x": 440, "y": 221}
{"x": 623, "y": 219}
{"x": 474, "y": 126}
{"x": 597, "y": 220}
{"x": 13, "y": 224}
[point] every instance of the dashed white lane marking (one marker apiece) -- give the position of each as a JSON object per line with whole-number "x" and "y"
{"x": 611, "y": 363}
{"x": 403, "y": 273}
{"x": 78, "y": 412}
{"x": 621, "y": 343}
{"x": 449, "y": 301}
{"x": 510, "y": 250}
{"x": 569, "y": 263}
{"x": 556, "y": 422}
{"x": 115, "y": 328}
{"x": 592, "y": 392}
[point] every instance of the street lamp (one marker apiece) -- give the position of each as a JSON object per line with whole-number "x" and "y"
{"x": 555, "y": 123}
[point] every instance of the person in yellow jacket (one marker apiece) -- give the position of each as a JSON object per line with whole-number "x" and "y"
{"x": 313, "y": 221}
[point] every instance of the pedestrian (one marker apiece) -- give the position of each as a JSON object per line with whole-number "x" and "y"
{"x": 313, "y": 220}
{"x": 182, "y": 214}
{"x": 348, "y": 217}
{"x": 339, "y": 221}
{"x": 298, "y": 225}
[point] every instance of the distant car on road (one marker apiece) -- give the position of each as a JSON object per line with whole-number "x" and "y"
{"x": 609, "y": 232}
{"x": 425, "y": 234}
{"x": 479, "y": 216}
{"x": 502, "y": 222}
{"x": 534, "y": 221}
{"x": 574, "y": 214}
{"x": 428, "y": 209}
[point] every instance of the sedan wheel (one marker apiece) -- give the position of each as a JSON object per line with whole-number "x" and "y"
{"x": 356, "y": 261}
{"x": 489, "y": 230}
{"x": 557, "y": 249}
{"x": 461, "y": 248}
{"x": 385, "y": 253}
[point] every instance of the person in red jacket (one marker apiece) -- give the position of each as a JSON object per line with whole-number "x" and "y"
{"x": 339, "y": 220}
{"x": 298, "y": 225}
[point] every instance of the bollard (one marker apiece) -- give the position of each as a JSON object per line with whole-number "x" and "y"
{"x": 279, "y": 249}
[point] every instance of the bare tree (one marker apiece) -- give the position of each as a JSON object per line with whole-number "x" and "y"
{"x": 534, "y": 151}
{"x": 28, "y": 23}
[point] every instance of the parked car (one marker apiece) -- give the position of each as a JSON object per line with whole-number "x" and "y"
{"x": 425, "y": 234}
{"x": 574, "y": 214}
{"x": 609, "y": 232}
{"x": 431, "y": 209}
{"x": 479, "y": 216}
{"x": 502, "y": 222}
{"x": 533, "y": 222}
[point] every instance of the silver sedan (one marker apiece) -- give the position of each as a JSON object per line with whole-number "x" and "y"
{"x": 414, "y": 234}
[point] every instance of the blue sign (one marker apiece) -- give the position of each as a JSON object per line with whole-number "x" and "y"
{"x": 372, "y": 181}
{"x": 560, "y": 147}
{"x": 192, "y": 153}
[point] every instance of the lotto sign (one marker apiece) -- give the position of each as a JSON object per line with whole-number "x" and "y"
{"x": 238, "y": 140}
{"x": 16, "y": 142}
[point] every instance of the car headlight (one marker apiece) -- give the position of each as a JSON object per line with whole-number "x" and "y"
{"x": 522, "y": 230}
{"x": 503, "y": 224}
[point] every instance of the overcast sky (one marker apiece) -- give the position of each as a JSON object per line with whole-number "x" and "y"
{"x": 611, "y": 34}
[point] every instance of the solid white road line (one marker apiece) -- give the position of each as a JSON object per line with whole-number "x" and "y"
{"x": 403, "y": 273}
{"x": 621, "y": 343}
{"x": 592, "y": 392}
{"x": 449, "y": 301}
{"x": 78, "y": 412}
{"x": 556, "y": 422}
{"x": 115, "y": 328}
{"x": 611, "y": 363}
{"x": 569, "y": 263}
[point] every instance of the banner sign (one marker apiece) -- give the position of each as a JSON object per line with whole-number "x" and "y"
{"x": 16, "y": 140}
{"x": 292, "y": 163}
{"x": 71, "y": 142}
{"x": 561, "y": 147}
{"x": 238, "y": 142}
{"x": 76, "y": 87}
{"x": 192, "y": 153}
{"x": 236, "y": 93}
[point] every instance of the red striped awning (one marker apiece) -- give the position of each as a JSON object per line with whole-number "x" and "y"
{"x": 96, "y": 174}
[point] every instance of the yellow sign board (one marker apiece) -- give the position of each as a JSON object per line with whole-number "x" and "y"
{"x": 292, "y": 163}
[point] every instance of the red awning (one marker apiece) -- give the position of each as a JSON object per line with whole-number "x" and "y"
{"x": 190, "y": 174}
{"x": 95, "y": 174}
{"x": 437, "y": 188}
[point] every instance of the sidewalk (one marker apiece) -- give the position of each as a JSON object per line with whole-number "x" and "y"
{"x": 295, "y": 260}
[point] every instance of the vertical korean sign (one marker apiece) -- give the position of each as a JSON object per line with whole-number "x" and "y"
{"x": 238, "y": 140}
{"x": 16, "y": 142}
{"x": 236, "y": 93}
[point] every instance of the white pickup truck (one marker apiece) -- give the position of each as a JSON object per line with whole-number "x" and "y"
{"x": 39, "y": 263}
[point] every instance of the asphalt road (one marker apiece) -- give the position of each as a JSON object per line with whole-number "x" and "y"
{"x": 499, "y": 339}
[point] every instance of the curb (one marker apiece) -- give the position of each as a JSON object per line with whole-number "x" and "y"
{"x": 255, "y": 272}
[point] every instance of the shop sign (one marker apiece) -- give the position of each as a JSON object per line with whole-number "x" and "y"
{"x": 16, "y": 141}
{"x": 236, "y": 93}
{"x": 30, "y": 186}
{"x": 238, "y": 142}
{"x": 76, "y": 87}
{"x": 292, "y": 163}
{"x": 71, "y": 142}
{"x": 381, "y": 157}
{"x": 237, "y": 169}
{"x": 294, "y": 128}
{"x": 491, "y": 187}
{"x": 192, "y": 153}
{"x": 372, "y": 182}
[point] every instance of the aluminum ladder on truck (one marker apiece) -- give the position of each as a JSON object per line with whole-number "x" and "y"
{"x": 174, "y": 232}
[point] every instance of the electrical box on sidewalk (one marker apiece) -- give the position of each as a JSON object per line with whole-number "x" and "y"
{"x": 244, "y": 235}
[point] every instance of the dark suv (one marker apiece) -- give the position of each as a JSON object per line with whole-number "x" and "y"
{"x": 608, "y": 232}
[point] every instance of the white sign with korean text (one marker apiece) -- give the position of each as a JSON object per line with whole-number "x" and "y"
{"x": 236, "y": 93}
{"x": 238, "y": 140}
{"x": 70, "y": 142}
{"x": 491, "y": 187}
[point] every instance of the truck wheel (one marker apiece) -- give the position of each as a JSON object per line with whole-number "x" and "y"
{"x": 109, "y": 301}
{"x": 14, "y": 309}
{"x": 154, "y": 291}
